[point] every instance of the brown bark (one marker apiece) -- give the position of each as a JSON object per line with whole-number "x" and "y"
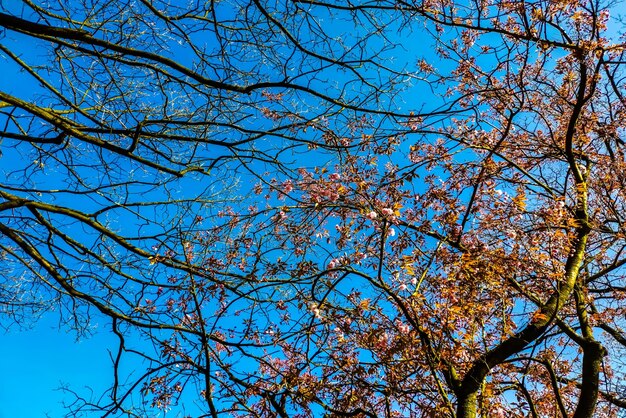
{"x": 593, "y": 352}
{"x": 467, "y": 405}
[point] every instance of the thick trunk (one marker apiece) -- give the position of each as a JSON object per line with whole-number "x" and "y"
{"x": 468, "y": 390}
{"x": 593, "y": 352}
{"x": 467, "y": 405}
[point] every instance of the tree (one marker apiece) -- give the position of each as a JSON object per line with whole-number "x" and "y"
{"x": 323, "y": 208}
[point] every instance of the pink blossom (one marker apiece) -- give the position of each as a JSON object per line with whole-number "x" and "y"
{"x": 287, "y": 187}
{"x": 403, "y": 328}
{"x": 372, "y": 215}
{"x": 339, "y": 333}
{"x": 387, "y": 211}
{"x": 316, "y": 311}
{"x": 392, "y": 232}
{"x": 280, "y": 216}
{"x": 334, "y": 177}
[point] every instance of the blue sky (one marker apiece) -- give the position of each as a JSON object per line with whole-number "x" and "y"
{"x": 40, "y": 360}
{"x": 35, "y": 359}
{"x": 37, "y": 362}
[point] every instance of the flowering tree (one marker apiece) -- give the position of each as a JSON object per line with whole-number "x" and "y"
{"x": 282, "y": 215}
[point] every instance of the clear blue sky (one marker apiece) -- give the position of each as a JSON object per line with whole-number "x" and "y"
{"x": 36, "y": 362}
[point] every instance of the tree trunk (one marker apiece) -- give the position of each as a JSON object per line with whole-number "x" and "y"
{"x": 593, "y": 352}
{"x": 467, "y": 405}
